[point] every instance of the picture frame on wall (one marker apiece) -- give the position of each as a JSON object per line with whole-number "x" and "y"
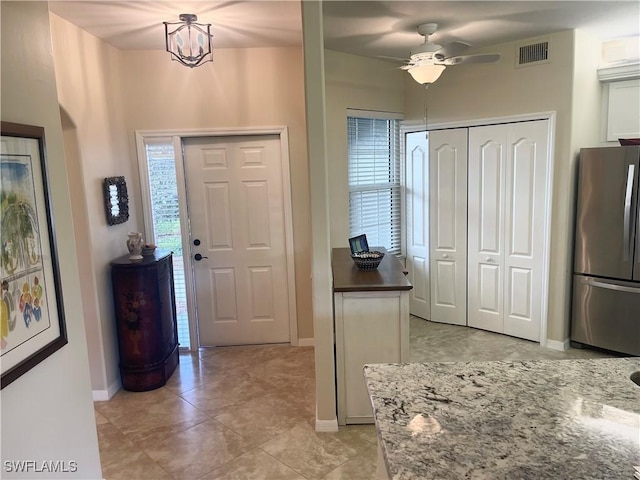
{"x": 32, "y": 322}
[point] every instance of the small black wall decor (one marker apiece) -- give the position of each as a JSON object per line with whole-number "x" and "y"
{"x": 116, "y": 200}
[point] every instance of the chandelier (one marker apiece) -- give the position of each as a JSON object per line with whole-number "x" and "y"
{"x": 189, "y": 42}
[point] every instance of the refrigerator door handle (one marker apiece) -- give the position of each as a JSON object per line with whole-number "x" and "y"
{"x": 626, "y": 237}
{"x": 611, "y": 286}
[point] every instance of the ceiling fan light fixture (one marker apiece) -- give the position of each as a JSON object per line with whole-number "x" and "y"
{"x": 189, "y": 42}
{"x": 426, "y": 73}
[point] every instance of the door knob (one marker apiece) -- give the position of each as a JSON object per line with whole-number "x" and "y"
{"x": 198, "y": 257}
{"x": 445, "y": 256}
{"x": 196, "y": 242}
{"x": 489, "y": 259}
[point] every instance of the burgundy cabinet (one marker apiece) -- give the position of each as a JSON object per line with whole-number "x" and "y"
{"x": 145, "y": 310}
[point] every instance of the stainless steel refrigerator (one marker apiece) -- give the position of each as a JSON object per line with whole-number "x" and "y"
{"x": 606, "y": 281}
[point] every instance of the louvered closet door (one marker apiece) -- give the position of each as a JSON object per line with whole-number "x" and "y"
{"x": 448, "y": 225}
{"x": 507, "y": 196}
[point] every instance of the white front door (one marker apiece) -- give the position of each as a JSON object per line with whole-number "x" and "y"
{"x": 448, "y": 225}
{"x": 417, "y": 202}
{"x": 236, "y": 211}
{"x": 507, "y": 213}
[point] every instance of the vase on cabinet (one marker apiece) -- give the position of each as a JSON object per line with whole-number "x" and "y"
{"x": 134, "y": 244}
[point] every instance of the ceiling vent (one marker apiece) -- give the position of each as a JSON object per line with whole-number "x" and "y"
{"x": 532, "y": 53}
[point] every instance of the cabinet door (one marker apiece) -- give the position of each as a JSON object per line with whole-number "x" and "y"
{"x": 166, "y": 298}
{"x": 487, "y": 147}
{"x": 371, "y": 327}
{"x": 417, "y": 202}
{"x": 448, "y": 225}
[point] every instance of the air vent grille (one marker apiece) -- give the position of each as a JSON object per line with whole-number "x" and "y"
{"x": 533, "y": 53}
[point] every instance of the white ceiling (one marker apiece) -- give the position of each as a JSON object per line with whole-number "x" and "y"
{"x": 137, "y": 24}
{"x": 366, "y": 28}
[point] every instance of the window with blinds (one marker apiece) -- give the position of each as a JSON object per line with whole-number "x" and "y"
{"x": 374, "y": 181}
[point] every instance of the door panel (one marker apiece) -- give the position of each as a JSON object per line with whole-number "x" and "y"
{"x": 526, "y": 187}
{"x": 445, "y": 297}
{"x": 520, "y": 301}
{"x": 448, "y": 232}
{"x": 236, "y": 210}
{"x": 490, "y": 197}
{"x": 507, "y": 201}
{"x": 486, "y": 216}
{"x": 416, "y": 200}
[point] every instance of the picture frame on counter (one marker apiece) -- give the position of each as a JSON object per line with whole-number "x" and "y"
{"x": 358, "y": 244}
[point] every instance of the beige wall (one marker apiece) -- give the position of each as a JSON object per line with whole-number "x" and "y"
{"x": 360, "y": 83}
{"x": 47, "y": 414}
{"x": 90, "y": 85}
{"x": 109, "y": 94}
{"x": 494, "y": 90}
{"x": 253, "y": 87}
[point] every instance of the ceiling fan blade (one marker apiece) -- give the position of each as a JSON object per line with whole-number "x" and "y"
{"x": 469, "y": 59}
{"x": 393, "y": 59}
{"x": 453, "y": 49}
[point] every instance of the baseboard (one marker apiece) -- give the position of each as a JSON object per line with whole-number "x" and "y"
{"x": 306, "y": 342}
{"x": 557, "y": 345}
{"x": 326, "y": 425}
{"x": 104, "y": 395}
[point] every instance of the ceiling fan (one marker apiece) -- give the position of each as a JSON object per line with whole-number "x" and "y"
{"x": 428, "y": 60}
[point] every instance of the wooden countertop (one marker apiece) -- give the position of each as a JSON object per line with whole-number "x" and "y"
{"x": 347, "y": 277}
{"x": 145, "y": 260}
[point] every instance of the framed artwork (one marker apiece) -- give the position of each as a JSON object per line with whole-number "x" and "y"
{"x": 358, "y": 244}
{"x": 116, "y": 200}
{"x": 32, "y": 320}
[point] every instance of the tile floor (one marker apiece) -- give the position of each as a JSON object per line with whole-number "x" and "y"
{"x": 247, "y": 413}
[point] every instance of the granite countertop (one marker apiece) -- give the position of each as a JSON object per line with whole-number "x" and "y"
{"x": 347, "y": 277}
{"x": 543, "y": 419}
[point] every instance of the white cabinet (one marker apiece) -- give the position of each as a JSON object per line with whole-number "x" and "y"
{"x": 371, "y": 327}
{"x": 623, "y": 114}
{"x": 506, "y": 230}
{"x": 371, "y": 312}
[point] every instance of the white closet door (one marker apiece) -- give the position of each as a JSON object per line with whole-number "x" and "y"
{"x": 487, "y": 147}
{"x": 448, "y": 225}
{"x": 417, "y": 202}
{"x": 507, "y": 214}
{"x": 525, "y": 213}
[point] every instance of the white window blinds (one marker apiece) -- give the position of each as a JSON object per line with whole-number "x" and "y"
{"x": 374, "y": 181}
